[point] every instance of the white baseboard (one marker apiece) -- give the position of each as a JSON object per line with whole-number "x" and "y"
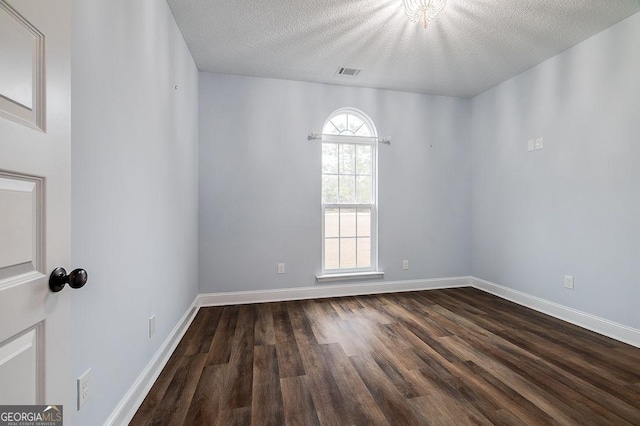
{"x": 599, "y": 325}
{"x": 324, "y": 291}
{"x": 130, "y": 403}
{"x": 126, "y": 409}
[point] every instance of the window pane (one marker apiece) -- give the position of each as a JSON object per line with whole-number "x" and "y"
{"x": 331, "y": 223}
{"x": 347, "y": 222}
{"x": 364, "y": 159}
{"x": 329, "y": 189}
{"x": 339, "y": 123}
{"x": 330, "y": 129}
{"x": 347, "y": 159}
{"x": 331, "y": 254}
{"x": 354, "y": 123}
{"x": 364, "y": 131}
{"x": 364, "y": 222}
{"x": 347, "y": 253}
{"x": 364, "y": 190}
{"x": 364, "y": 252}
{"x": 347, "y": 189}
{"x": 329, "y": 158}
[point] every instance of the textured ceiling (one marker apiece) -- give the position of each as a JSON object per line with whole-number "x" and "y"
{"x": 470, "y": 47}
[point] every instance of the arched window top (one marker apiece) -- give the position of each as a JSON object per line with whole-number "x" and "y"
{"x": 349, "y": 122}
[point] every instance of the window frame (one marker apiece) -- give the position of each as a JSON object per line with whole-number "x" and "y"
{"x": 373, "y": 206}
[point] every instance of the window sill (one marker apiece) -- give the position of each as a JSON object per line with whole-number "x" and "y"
{"x": 352, "y": 276}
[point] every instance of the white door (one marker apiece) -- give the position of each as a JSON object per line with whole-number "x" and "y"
{"x": 34, "y": 201}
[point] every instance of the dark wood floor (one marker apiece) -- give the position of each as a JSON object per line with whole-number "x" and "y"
{"x": 450, "y": 357}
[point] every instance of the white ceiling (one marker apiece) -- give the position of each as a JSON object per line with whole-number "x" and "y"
{"x": 472, "y": 46}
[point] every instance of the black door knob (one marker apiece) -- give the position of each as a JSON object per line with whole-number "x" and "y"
{"x": 58, "y": 278}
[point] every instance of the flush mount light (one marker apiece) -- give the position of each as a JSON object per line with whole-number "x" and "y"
{"x": 423, "y": 10}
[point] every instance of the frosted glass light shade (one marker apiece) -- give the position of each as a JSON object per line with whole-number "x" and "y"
{"x": 423, "y": 10}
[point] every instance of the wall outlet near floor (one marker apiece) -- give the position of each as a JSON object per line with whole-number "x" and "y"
{"x": 152, "y": 326}
{"x": 405, "y": 264}
{"x": 281, "y": 268}
{"x": 84, "y": 388}
{"x": 568, "y": 282}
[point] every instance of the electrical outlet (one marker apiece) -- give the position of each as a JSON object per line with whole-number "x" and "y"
{"x": 84, "y": 388}
{"x": 152, "y": 326}
{"x": 568, "y": 282}
{"x": 405, "y": 264}
{"x": 281, "y": 268}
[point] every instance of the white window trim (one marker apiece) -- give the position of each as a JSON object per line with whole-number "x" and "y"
{"x": 350, "y": 276}
{"x": 355, "y": 273}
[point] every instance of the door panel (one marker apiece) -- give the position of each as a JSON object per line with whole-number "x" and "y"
{"x": 34, "y": 201}
{"x": 20, "y": 364}
{"x": 21, "y": 83}
{"x": 21, "y": 228}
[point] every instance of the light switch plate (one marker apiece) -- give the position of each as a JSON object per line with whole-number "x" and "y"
{"x": 539, "y": 143}
{"x": 531, "y": 145}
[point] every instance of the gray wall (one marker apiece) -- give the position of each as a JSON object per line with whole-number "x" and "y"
{"x": 134, "y": 191}
{"x": 574, "y": 207}
{"x": 260, "y": 181}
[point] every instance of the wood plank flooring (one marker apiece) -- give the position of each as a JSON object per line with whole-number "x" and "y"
{"x": 442, "y": 357}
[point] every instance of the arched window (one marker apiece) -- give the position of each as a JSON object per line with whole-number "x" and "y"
{"x": 349, "y": 192}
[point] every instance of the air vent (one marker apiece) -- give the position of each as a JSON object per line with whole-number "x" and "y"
{"x": 348, "y": 71}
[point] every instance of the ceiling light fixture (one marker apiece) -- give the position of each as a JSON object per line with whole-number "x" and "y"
{"x": 423, "y": 10}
